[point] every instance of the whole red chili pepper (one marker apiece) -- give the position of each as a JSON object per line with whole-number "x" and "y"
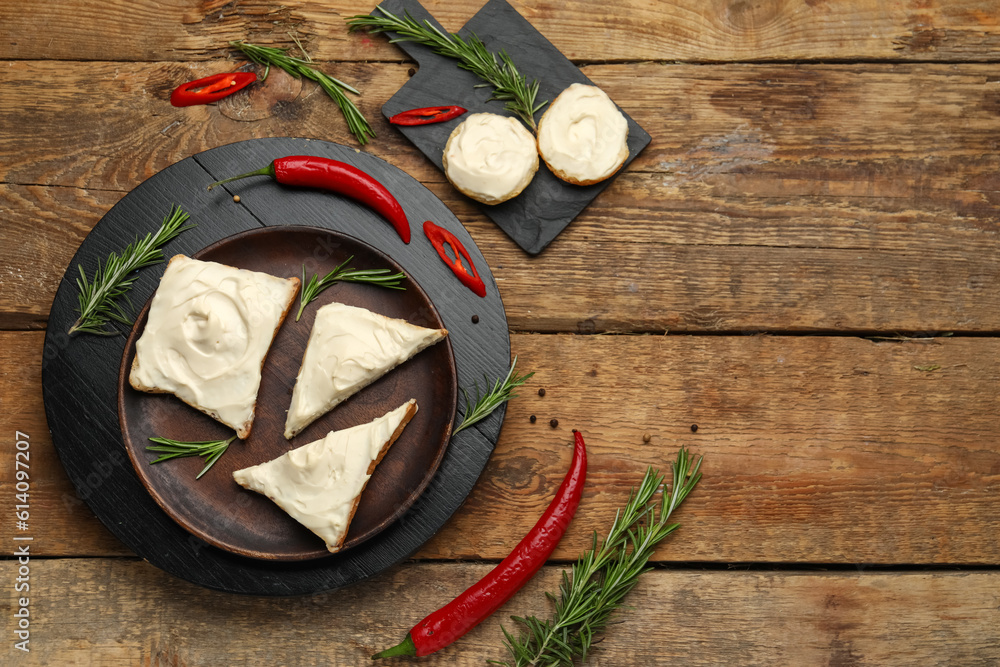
{"x": 211, "y": 88}
{"x": 473, "y": 606}
{"x": 319, "y": 172}
{"x": 426, "y": 116}
{"x": 439, "y": 237}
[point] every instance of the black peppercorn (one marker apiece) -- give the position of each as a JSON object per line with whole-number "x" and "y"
{"x": 553, "y": 423}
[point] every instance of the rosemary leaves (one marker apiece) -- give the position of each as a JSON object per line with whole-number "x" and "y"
{"x": 98, "y": 298}
{"x": 211, "y": 450}
{"x": 482, "y": 406}
{"x": 509, "y": 84}
{"x": 302, "y": 67}
{"x": 603, "y": 576}
{"x": 343, "y": 273}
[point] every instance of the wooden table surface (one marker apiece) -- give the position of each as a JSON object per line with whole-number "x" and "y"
{"x": 803, "y": 263}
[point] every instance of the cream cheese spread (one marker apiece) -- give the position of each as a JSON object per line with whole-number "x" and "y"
{"x": 348, "y": 349}
{"x": 318, "y": 484}
{"x": 490, "y": 158}
{"x": 209, "y": 329}
{"x": 583, "y": 135}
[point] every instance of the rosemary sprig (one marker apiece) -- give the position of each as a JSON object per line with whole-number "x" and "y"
{"x": 97, "y": 298}
{"x": 172, "y": 449}
{"x": 299, "y": 67}
{"x": 501, "y": 392}
{"x": 510, "y": 86}
{"x": 313, "y": 288}
{"x": 603, "y": 576}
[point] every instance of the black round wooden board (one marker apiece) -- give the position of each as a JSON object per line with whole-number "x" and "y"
{"x": 79, "y": 374}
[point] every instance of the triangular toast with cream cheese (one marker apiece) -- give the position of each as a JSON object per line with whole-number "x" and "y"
{"x": 348, "y": 349}
{"x": 320, "y": 484}
{"x": 209, "y": 328}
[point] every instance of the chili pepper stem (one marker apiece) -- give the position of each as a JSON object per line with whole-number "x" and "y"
{"x": 405, "y": 647}
{"x": 263, "y": 171}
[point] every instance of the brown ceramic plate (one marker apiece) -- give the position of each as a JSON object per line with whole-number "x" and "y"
{"x": 219, "y": 511}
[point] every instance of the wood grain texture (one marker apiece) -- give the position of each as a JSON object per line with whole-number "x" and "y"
{"x": 796, "y": 212}
{"x": 42, "y": 229}
{"x": 826, "y": 450}
{"x": 817, "y": 167}
{"x": 718, "y": 30}
{"x": 796, "y": 129}
{"x": 760, "y": 269}
{"x": 132, "y": 132}
{"x": 110, "y": 612}
{"x": 60, "y": 518}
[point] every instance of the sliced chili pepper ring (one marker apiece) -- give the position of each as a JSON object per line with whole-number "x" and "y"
{"x": 210, "y": 88}
{"x": 461, "y": 265}
{"x": 427, "y": 115}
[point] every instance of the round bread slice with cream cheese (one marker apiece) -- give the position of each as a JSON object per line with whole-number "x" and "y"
{"x": 490, "y": 158}
{"x": 583, "y": 136}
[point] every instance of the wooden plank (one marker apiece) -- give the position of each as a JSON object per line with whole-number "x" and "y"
{"x": 103, "y": 612}
{"x": 747, "y": 290}
{"x": 59, "y": 521}
{"x": 789, "y": 226}
{"x": 630, "y": 30}
{"x": 42, "y": 230}
{"x": 772, "y": 130}
{"x": 658, "y": 277}
{"x": 132, "y": 132}
{"x": 825, "y": 450}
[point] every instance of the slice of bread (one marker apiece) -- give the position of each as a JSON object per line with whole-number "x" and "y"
{"x": 490, "y": 157}
{"x": 210, "y": 326}
{"x": 582, "y": 136}
{"x": 348, "y": 349}
{"x": 320, "y": 484}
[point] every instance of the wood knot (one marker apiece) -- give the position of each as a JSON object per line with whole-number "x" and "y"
{"x": 262, "y": 99}
{"x": 518, "y": 473}
{"x": 753, "y": 15}
{"x": 921, "y": 40}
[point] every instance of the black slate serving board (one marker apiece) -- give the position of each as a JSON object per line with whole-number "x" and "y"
{"x": 79, "y": 374}
{"x": 534, "y": 218}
